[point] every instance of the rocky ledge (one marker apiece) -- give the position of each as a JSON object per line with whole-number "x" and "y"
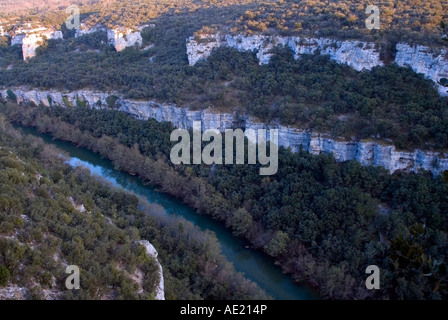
{"x": 431, "y": 62}
{"x": 367, "y": 153}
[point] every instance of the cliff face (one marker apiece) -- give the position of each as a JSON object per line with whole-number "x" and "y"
{"x": 433, "y": 63}
{"x": 83, "y": 30}
{"x": 121, "y": 38}
{"x": 32, "y": 40}
{"x": 366, "y": 153}
{"x": 357, "y": 54}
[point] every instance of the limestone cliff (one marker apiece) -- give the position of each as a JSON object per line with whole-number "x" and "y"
{"x": 357, "y": 54}
{"x": 30, "y": 40}
{"x": 366, "y": 153}
{"x": 433, "y": 63}
{"x": 83, "y": 30}
{"x": 121, "y": 38}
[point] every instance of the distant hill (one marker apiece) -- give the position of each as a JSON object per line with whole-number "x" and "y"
{"x": 14, "y": 6}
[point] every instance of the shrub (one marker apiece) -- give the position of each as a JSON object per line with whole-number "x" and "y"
{"x": 4, "y": 276}
{"x": 11, "y": 95}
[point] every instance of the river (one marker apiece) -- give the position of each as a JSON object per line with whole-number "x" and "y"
{"x": 255, "y": 265}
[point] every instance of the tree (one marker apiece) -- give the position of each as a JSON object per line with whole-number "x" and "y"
{"x": 444, "y": 81}
{"x": 4, "y": 276}
{"x": 11, "y": 95}
{"x": 278, "y": 243}
{"x": 444, "y": 29}
{"x": 411, "y": 260}
{"x": 241, "y": 222}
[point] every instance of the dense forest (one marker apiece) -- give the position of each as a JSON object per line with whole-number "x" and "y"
{"x": 324, "y": 221}
{"x": 53, "y": 215}
{"x": 389, "y": 103}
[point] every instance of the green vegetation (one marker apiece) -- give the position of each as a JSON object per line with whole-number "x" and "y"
{"x": 4, "y": 276}
{"x": 110, "y": 100}
{"x": 324, "y": 221}
{"x": 67, "y": 102}
{"x": 53, "y": 215}
{"x": 11, "y": 95}
{"x": 81, "y": 103}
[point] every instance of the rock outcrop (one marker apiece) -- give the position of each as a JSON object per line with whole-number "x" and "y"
{"x": 431, "y": 62}
{"x": 366, "y": 153}
{"x": 83, "y": 30}
{"x": 357, "y": 54}
{"x": 151, "y": 251}
{"x": 31, "y": 39}
{"x": 121, "y": 38}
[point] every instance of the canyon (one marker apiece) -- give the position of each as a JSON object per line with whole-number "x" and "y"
{"x": 374, "y": 153}
{"x": 431, "y": 62}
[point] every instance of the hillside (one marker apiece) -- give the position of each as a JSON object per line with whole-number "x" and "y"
{"x": 53, "y": 215}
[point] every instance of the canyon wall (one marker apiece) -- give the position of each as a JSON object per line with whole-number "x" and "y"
{"x": 431, "y": 62}
{"x": 366, "y": 153}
